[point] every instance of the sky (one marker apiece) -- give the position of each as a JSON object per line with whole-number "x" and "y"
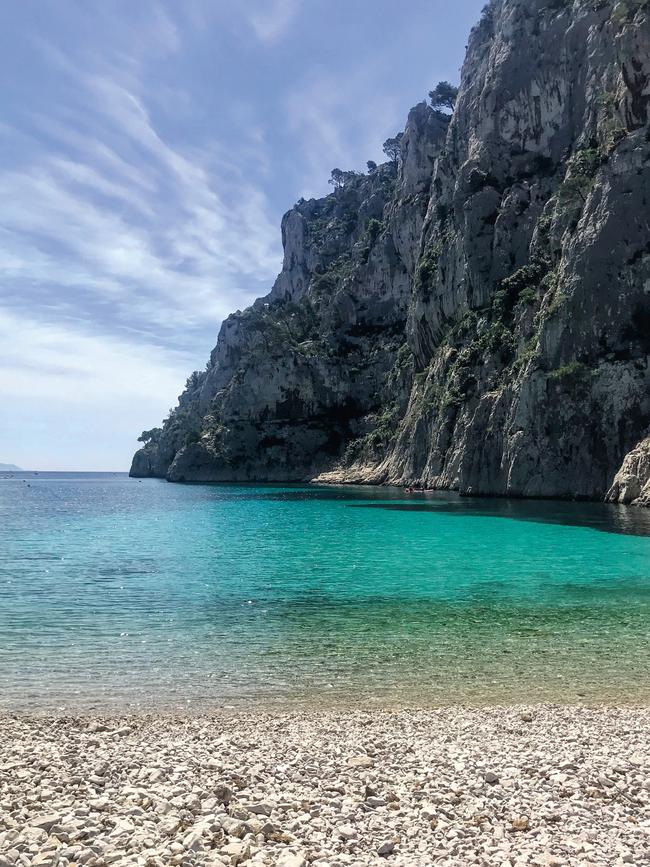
{"x": 148, "y": 149}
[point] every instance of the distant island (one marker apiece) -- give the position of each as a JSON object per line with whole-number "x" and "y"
{"x": 10, "y": 468}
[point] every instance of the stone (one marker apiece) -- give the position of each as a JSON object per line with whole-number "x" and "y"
{"x": 360, "y": 762}
{"x": 386, "y": 848}
{"x": 261, "y": 809}
{"x": 170, "y": 825}
{"x": 46, "y": 821}
{"x": 520, "y": 823}
{"x": 555, "y": 805}
{"x": 375, "y": 802}
{"x": 233, "y": 827}
{"x": 193, "y": 842}
{"x": 223, "y": 794}
{"x": 631, "y": 484}
{"x": 237, "y": 852}
{"x": 491, "y": 778}
{"x": 291, "y": 859}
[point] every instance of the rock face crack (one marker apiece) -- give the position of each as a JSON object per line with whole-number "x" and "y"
{"x": 472, "y": 318}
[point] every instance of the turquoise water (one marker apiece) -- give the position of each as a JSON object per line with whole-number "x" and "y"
{"x": 116, "y": 592}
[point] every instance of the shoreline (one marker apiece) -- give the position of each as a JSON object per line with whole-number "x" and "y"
{"x": 319, "y": 703}
{"x": 254, "y": 710}
{"x": 543, "y": 784}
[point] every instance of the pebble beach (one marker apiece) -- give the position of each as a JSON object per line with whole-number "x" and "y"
{"x": 543, "y": 785}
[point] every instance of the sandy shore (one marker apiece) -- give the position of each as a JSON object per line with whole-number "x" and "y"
{"x": 535, "y": 786}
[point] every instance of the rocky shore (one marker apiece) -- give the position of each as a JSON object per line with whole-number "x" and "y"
{"x": 499, "y": 786}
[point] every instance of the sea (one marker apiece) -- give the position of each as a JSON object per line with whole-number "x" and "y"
{"x": 120, "y": 594}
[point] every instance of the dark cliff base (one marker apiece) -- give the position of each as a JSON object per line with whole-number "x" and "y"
{"x": 474, "y": 317}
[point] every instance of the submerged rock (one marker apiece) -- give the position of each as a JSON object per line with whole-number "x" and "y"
{"x": 475, "y": 318}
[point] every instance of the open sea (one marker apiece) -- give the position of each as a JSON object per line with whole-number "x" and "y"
{"x": 119, "y": 594}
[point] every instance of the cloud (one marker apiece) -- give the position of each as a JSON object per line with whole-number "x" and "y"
{"x": 163, "y": 32}
{"x": 130, "y": 228}
{"x": 66, "y": 362}
{"x": 272, "y": 18}
{"x": 167, "y": 234}
{"x": 79, "y": 396}
{"x": 334, "y": 117}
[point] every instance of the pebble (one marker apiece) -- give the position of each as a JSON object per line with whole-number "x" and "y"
{"x": 521, "y": 823}
{"x": 47, "y": 821}
{"x": 405, "y": 788}
{"x": 375, "y": 802}
{"x": 260, "y": 809}
{"x": 238, "y": 852}
{"x": 291, "y": 859}
{"x": 223, "y": 794}
{"x": 123, "y": 731}
{"x": 386, "y": 848}
{"x": 360, "y": 762}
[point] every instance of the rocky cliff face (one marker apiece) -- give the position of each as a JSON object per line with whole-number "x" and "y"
{"x": 477, "y": 318}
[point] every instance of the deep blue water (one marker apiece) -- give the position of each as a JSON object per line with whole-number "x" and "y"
{"x": 117, "y": 592}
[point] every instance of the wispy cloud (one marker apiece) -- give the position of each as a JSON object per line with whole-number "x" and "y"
{"x": 167, "y": 234}
{"x": 69, "y": 363}
{"x": 270, "y": 19}
{"x": 126, "y": 235}
{"x": 80, "y": 395}
{"x": 336, "y": 115}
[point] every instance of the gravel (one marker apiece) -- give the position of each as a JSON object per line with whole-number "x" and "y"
{"x": 546, "y": 786}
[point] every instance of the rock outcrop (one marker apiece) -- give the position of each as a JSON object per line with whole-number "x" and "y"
{"x": 632, "y": 482}
{"x": 475, "y": 318}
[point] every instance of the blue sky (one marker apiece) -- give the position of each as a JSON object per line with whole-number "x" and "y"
{"x": 148, "y": 149}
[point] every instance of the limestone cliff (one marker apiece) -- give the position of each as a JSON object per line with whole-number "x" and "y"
{"x": 476, "y": 318}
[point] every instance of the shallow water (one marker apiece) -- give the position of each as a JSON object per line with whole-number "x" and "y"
{"x": 116, "y": 592}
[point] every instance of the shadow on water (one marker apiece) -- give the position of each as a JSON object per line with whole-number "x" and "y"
{"x": 625, "y": 520}
{"x": 604, "y": 517}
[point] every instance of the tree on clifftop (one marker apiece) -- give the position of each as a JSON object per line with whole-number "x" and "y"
{"x": 444, "y": 95}
{"x": 152, "y": 435}
{"x": 392, "y": 147}
{"x": 340, "y": 178}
